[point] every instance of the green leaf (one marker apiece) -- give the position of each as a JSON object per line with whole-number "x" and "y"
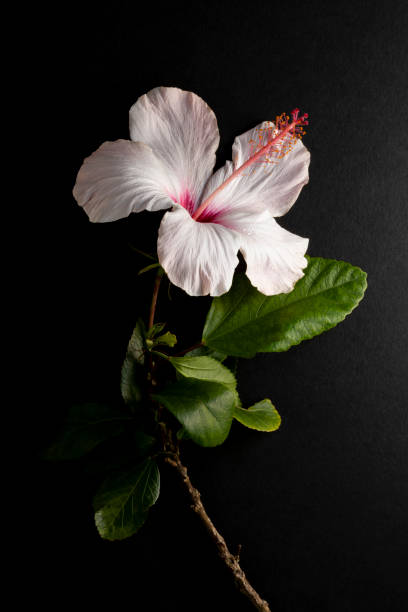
{"x": 204, "y": 408}
{"x": 137, "y": 346}
{"x": 133, "y": 373}
{"x": 167, "y": 339}
{"x": 262, "y": 416}
{"x": 243, "y": 321}
{"x": 122, "y": 502}
{"x": 206, "y": 351}
{"x": 86, "y": 426}
{"x": 204, "y": 368}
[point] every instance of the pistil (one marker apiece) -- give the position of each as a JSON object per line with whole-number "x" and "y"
{"x": 288, "y": 129}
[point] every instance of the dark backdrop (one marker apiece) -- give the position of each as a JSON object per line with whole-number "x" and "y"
{"x": 320, "y": 507}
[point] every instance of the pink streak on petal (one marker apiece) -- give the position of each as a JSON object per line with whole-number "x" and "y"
{"x": 213, "y": 215}
{"x": 185, "y": 200}
{"x": 209, "y": 215}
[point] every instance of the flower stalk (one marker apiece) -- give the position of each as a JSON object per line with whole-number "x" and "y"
{"x": 171, "y": 455}
{"x": 155, "y": 295}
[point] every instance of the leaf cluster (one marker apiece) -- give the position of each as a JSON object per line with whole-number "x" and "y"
{"x": 195, "y": 388}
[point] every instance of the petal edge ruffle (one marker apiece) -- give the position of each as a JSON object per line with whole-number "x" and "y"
{"x": 275, "y": 257}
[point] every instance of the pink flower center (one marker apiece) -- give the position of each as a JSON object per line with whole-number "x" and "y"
{"x": 281, "y": 141}
{"x": 185, "y": 200}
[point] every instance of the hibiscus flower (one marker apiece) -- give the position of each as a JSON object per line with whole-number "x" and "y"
{"x": 168, "y": 163}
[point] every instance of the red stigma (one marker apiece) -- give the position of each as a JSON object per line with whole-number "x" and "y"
{"x": 295, "y": 114}
{"x": 297, "y": 121}
{"x": 304, "y": 120}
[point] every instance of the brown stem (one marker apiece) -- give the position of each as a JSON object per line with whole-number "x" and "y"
{"x": 230, "y": 560}
{"x": 171, "y": 455}
{"x": 187, "y": 350}
{"x": 156, "y": 288}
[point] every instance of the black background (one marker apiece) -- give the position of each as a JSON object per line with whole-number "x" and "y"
{"x": 320, "y": 507}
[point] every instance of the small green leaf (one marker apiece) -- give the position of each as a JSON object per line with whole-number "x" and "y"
{"x": 262, "y": 416}
{"x": 244, "y": 321}
{"x": 155, "y": 329}
{"x": 148, "y": 268}
{"x": 133, "y": 373}
{"x": 122, "y": 502}
{"x": 147, "y": 255}
{"x": 86, "y": 426}
{"x": 167, "y": 339}
{"x": 204, "y": 368}
{"x": 204, "y": 409}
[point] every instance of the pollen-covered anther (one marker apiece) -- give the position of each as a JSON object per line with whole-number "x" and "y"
{"x": 285, "y": 136}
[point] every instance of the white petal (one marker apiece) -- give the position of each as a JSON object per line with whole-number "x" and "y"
{"x": 271, "y": 183}
{"x": 275, "y": 257}
{"x": 198, "y": 257}
{"x": 182, "y": 131}
{"x": 121, "y": 177}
